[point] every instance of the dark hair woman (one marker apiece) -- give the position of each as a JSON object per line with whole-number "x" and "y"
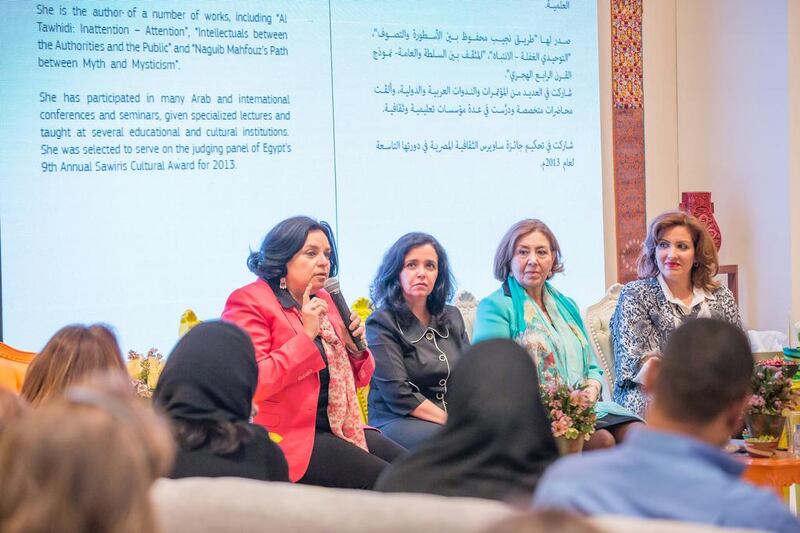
{"x": 416, "y": 339}
{"x": 206, "y": 389}
{"x": 308, "y": 364}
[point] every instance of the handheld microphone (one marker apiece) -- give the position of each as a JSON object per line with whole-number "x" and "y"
{"x": 332, "y": 286}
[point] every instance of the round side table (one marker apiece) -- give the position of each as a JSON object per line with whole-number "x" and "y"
{"x": 778, "y": 472}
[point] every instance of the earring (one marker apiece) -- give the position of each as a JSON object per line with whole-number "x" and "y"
{"x": 696, "y": 264}
{"x": 282, "y": 284}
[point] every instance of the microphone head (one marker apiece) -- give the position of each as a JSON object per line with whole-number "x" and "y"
{"x": 332, "y": 285}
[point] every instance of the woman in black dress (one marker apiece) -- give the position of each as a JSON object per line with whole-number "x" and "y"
{"x": 416, "y": 339}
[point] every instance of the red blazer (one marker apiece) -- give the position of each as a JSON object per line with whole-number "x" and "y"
{"x": 288, "y": 366}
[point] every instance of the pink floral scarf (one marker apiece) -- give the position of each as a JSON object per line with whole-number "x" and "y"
{"x": 344, "y": 413}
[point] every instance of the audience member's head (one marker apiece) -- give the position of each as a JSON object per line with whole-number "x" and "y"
{"x": 84, "y": 462}
{"x": 496, "y": 442}
{"x": 544, "y": 521}
{"x": 12, "y": 408}
{"x": 704, "y": 377}
{"x": 207, "y": 387}
{"x": 70, "y": 355}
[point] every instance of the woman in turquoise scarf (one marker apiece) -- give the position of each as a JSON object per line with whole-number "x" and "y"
{"x": 531, "y": 311}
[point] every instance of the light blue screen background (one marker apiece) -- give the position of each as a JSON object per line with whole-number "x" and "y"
{"x": 135, "y": 249}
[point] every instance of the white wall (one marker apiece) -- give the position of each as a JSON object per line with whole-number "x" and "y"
{"x": 660, "y": 106}
{"x": 727, "y": 131}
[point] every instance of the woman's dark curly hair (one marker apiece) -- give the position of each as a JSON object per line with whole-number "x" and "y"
{"x": 283, "y": 242}
{"x": 386, "y": 290}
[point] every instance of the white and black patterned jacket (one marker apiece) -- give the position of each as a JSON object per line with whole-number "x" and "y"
{"x": 642, "y": 321}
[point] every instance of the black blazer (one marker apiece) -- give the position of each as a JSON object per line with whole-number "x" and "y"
{"x": 412, "y": 363}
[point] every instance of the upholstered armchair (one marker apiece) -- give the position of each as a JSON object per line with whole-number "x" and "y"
{"x": 13, "y": 365}
{"x": 596, "y": 319}
{"x": 467, "y": 304}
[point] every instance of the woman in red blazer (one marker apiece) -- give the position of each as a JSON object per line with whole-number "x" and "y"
{"x": 308, "y": 365}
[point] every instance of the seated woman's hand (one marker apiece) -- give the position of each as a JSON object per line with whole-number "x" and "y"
{"x": 594, "y": 388}
{"x": 648, "y": 360}
{"x": 356, "y": 332}
{"x": 313, "y": 310}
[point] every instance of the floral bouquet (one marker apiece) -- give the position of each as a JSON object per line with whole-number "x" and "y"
{"x": 772, "y": 388}
{"x": 571, "y": 410}
{"x": 144, "y": 371}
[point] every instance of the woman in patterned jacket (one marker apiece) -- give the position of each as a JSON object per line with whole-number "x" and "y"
{"x": 676, "y": 268}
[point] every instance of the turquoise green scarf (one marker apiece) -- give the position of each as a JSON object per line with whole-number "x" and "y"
{"x": 568, "y": 311}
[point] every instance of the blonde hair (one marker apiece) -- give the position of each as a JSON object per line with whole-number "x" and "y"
{"x": 505, "y": 250}
{"x": 71, "y": 354}
{"x": 12, "y": 408}
{"x": 705, "y": 253}
{"x": 83, "y": 462}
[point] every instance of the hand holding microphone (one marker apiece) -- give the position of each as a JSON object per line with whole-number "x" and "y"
{"x": 350, "y": 318}
{"x": 313, "y": 310}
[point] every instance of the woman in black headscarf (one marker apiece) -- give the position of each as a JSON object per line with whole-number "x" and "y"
{"x": 206, "y": 388}
{"x": 496, "y": 442}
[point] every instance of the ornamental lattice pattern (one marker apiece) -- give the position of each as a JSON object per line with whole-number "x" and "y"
{"x": 628, "y": 133}
{"x": 626, "y": 53}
